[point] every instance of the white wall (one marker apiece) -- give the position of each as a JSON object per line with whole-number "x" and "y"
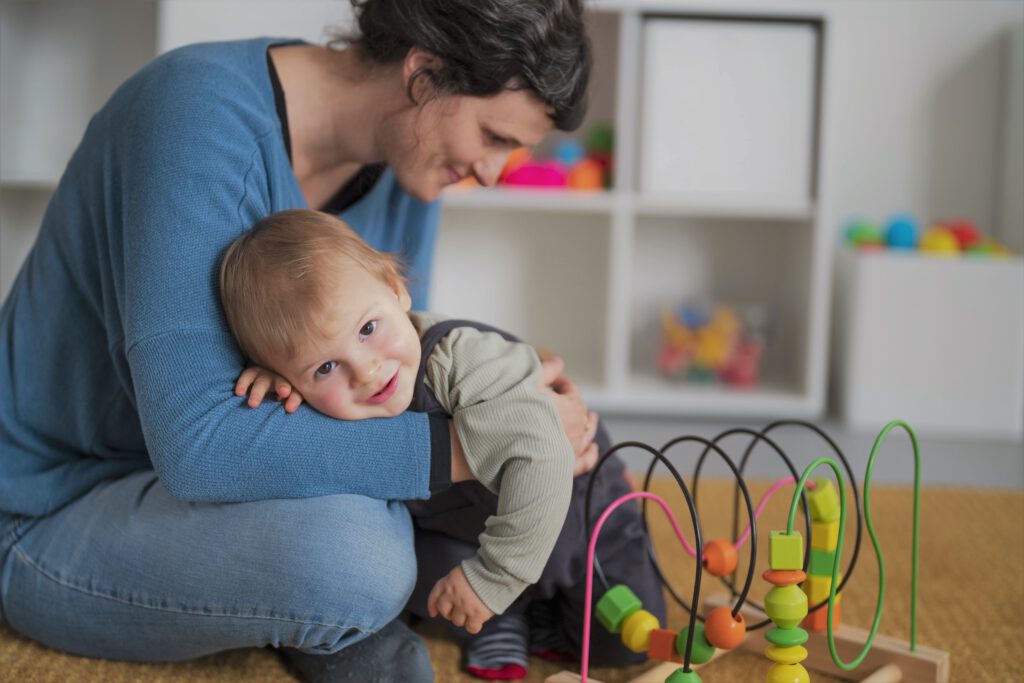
{"x": 915, "y": 112}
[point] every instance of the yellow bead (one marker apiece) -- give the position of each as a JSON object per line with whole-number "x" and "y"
{"x": 817, "y": 589}
{"x": 786, "y": 605}
{"x": 787, "y": 673}
{"x": 824, "y": 501}
{"x": 636, "y": 630}
{"x": 786, "y": 655}
{"x": 824, "y": 535}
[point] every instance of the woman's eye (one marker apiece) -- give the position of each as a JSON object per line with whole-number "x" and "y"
{"x": 367, "y": 329}
{"x": 326, "y": 368}
{"x": 496, "y": 139}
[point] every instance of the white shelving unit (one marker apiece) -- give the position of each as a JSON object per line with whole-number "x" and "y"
{"x": 583, "y": 274}
{"x": 606, "y": 262}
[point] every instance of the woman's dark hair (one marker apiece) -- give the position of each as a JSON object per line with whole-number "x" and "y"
{"x": 486, "y": 46}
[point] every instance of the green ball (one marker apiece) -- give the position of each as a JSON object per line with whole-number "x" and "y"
{"x": 702, "y": 650}
{"x": 600, "y": 138}
{"x": 863, "y": 232}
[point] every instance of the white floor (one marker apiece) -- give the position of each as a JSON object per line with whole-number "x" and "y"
{"x": 944, "y": 461}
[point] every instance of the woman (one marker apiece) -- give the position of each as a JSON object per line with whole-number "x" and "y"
{"x": 121, "y": 442}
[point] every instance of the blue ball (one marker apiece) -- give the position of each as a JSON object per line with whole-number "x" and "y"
{"x": 901, "y": 233}
{"x": 570, "y": 152}
{"x": 694, "y": 317}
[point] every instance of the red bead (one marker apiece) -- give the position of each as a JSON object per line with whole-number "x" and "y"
{"x": 720, "y": 557}
{"x": 723, "y": 630}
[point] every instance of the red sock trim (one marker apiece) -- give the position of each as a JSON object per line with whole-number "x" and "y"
{"x": 509, "y": 672}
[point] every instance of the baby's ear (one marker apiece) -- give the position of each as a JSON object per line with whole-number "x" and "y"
{"x": 404, "y": 298}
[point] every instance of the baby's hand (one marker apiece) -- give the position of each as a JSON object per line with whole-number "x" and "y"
{"x": 256, "y": 381}
{"x": 454, "y": 599}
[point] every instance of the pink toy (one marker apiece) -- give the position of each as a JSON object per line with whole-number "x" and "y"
{"x": 538, "y": 174}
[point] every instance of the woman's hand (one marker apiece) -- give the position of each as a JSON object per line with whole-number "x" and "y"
{"x": 257, "y": 382}
{"x": 580, "y": 424}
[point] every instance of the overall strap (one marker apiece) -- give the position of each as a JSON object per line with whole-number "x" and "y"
{"x": 423, "y": 400}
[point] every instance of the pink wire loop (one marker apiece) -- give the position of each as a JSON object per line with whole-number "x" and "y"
{"x": 590, "y": 563}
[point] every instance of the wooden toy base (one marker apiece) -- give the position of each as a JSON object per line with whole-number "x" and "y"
{"x": 888, "y": 661}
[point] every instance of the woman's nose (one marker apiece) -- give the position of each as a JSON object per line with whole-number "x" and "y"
{"x": 488, "y": 168}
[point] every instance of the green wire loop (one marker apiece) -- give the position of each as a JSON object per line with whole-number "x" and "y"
{"x": 874, "y": 541}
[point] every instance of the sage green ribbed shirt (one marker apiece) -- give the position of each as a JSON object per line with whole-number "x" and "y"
{"x": 514, "y": 445}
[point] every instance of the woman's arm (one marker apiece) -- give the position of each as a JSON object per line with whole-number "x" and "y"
{"x": 192, "y": 169}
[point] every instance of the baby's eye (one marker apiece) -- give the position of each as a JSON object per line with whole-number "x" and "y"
{"x": 367, "y": 329}
{"x": 326, "y": 368}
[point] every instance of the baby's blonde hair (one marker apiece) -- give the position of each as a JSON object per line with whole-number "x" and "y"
{"x": 277, "y": 279}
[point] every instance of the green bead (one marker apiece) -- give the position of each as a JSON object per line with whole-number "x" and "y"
{"x": 599, "y": 139}
{"x": 786, "y": 605}
{"x": 863, "y": 232}
{"x": 615, "y": 605}
{"x": 821, "y": 562}
{"x": 702, "y": 650}
{"x": 681, "y": 676}
{"x": 785, "y": 551}
{"x": 786, "y": 637}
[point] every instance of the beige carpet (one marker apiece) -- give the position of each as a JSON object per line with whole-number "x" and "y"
{"x": 971, "y": 598}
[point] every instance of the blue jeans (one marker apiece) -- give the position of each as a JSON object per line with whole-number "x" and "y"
{"x": 129, "y": 572}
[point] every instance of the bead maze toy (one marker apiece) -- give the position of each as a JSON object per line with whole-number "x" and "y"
{"x": 804, "y": 571}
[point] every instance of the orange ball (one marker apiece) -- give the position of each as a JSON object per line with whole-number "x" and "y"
{"x": 720, "y": 557}
{"x": 723, "y": 630}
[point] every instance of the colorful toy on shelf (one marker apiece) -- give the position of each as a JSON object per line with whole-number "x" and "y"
{"x": 789, "y": 605}
{"x": 901, "y": 232}
{"x": 944, "y": 238}
{"x": 573, "y": 164}
{"x": 700, "y": 343}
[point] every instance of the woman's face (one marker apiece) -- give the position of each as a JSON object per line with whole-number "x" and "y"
{"x": 449, "y": 138}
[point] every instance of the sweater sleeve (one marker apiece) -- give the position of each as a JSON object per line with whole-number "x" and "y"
{"x": 187, "y": 172}
{"x": 515, "y": 446}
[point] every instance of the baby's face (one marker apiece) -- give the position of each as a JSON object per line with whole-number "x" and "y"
{"x": 368, "y": 367}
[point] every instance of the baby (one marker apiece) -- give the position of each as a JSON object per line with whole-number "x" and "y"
{"x": 307, "y": 299}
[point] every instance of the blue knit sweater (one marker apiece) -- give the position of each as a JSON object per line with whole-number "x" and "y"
{"x": 114, "y": 352}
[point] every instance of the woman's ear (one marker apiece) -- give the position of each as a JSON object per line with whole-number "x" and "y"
{"x": 418, "y": 60}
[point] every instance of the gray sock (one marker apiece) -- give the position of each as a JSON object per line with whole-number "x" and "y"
{"x": 504, "y": 639}
{"x": 393, "y": 654}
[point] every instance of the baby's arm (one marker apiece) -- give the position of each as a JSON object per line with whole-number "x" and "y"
{"x": 454, "y": 599}
{"x": 515, "y": 446}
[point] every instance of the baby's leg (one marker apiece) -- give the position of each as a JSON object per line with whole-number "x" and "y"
{"x": 501, "y": 650}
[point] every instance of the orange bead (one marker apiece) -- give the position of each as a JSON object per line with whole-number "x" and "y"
{"x": 720, "y": 557}
{"x": 784, "y": 577}
{"x": 723, "y": 630}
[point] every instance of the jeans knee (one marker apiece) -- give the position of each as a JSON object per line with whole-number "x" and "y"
{"x": 351, "y": 559}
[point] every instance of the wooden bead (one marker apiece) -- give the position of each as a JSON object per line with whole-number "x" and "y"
{"x": 720, "y": 557}
{"x": 825, "y": 535}
{"x": 793, "y": 654}
{"x": 786, "y": 605}
{"x": 821, "y": 562}
{"x": 786, "y": 637}
{"x": 636, "y": 630}
{"x": 662, "y": 646}
{"x": 785, "y": 551}
{"x": 681, "y": 676}
{"x": 818, "y": 621}
{"x": 615, "y": 605}
{"x": 788, "y": 673}
{"x": 723, "y": 630}
{"x": 702, "y": 650}
{"x": 824, "y": 501}
{"x": 784, "y": 577}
